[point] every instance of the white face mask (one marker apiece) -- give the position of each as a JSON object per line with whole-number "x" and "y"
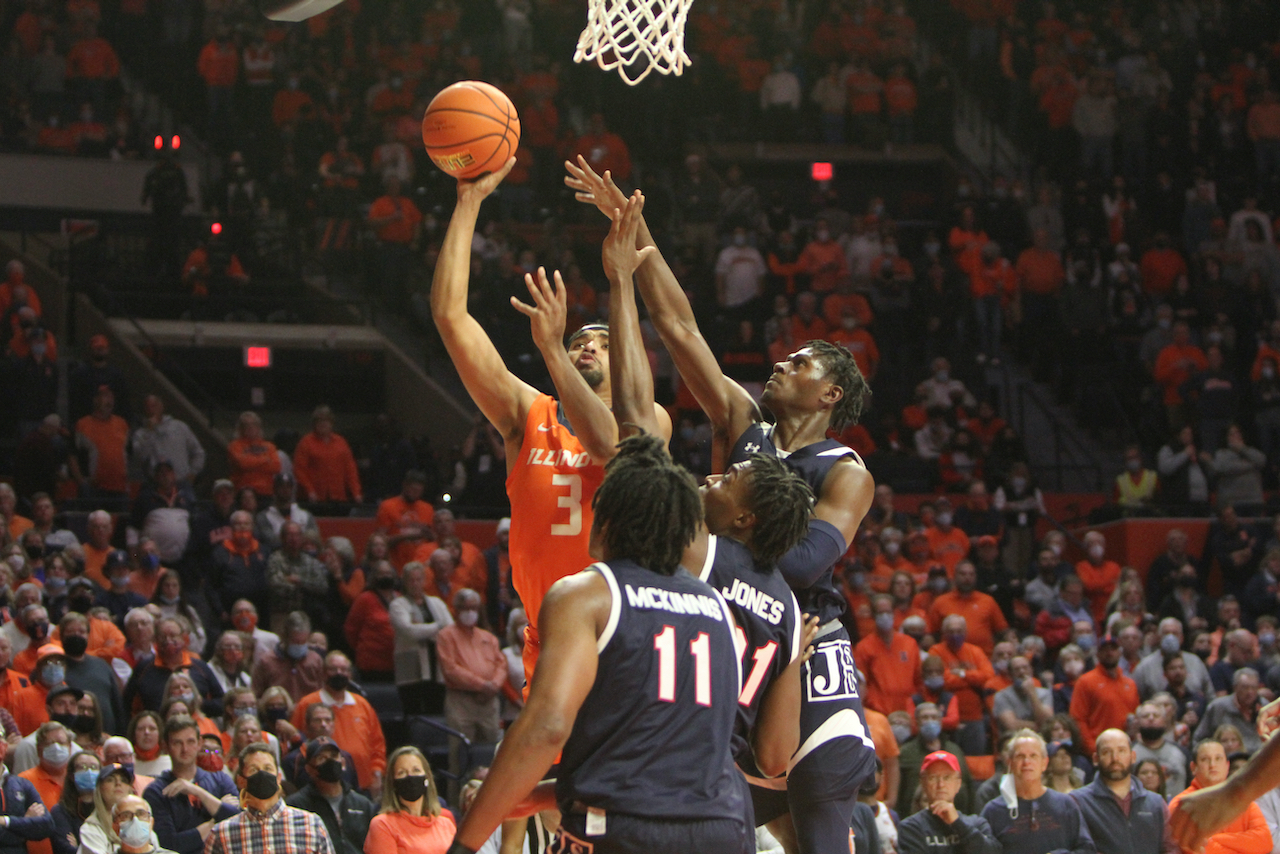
{"x": 135, "y": 833}
{"x": 468, "y": 618}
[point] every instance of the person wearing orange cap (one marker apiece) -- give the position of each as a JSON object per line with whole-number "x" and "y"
{"x": 940, "y": 828}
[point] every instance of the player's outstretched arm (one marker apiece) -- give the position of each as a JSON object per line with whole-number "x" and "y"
{"x": 630, "y": 376}
{"x": 573, "y": 616}
{"x": 502, "y": 397}
{"x": 776, "y": 736}
{"x": 846, "y": 497}
{"x": 726, "y": 403}
{"x": 1202, "y": 814}
{"x": 590, "y": 417}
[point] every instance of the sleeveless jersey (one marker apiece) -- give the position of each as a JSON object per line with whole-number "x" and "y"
{"x": 768, "y": 618}
{"x": 812, "y": 462}
{"x": 652, "y": 738}
{"x": 550, "y": 487}
{"x": 830, "y": 706}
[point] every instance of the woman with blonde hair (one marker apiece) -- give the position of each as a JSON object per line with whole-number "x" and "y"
{"x": 411, "y": 819}
{"x": 254, "y": 461}
{"x": 274, "y": 708}
{"x": 96, "y": 834}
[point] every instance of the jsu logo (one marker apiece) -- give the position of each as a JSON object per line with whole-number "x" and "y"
{"x": 831, "y": 674}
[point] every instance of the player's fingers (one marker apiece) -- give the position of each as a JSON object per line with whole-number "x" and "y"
{"x": 645, "y": 253}
{"x": 526, "y": 310}
{"x": 559, "y": 291}
{"x": 587, "y": 171}
{"x": 535, "y": 290}
{"x": 544, "y": 286}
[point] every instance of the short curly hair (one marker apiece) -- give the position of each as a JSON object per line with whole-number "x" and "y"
{"x": 648, "y": 508}
{"x": 841, "y": 369}
{"x": 781, "y": 502}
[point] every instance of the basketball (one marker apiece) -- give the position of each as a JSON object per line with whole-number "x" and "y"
{"x": 470, "y": 128}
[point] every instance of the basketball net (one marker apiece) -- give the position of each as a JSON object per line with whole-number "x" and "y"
{"x": 635, "y": 37}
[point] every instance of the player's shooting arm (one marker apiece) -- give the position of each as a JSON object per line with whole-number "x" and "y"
{"x": 572, "y": 617}
{"x": 630, "y": 377}
{"x": 846, "y": 497}
{"x": 726, "y": 403}
{"x": 502, "y": 397}
{"x": 590, "y": 417}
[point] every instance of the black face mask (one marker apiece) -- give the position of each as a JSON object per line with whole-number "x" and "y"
{"x": 329, "y": 771}
{"x": 38, "y": 631}
{"x": 67, "y": 719}
{"x": 1151, "y": 733}
{"x": 79, "y": 604}
{"x": 83, "y": 724}
{"x": 338, "y": 682}
{"x": 262, "y": 784}
{"x": 35, "y": 552}
{"x": 75, "y": 645}
{"x": 410, "y": 788}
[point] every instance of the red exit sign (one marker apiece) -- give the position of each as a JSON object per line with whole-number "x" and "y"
{"x": 257, "y": 357}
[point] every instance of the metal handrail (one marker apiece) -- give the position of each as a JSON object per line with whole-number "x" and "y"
{"x": 1027, "y": 391}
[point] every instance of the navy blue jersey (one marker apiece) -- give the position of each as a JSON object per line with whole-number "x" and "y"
{"x": 768, "y": 618}
{"x": 812, "y": 462}
{"x": 652, "y": 738}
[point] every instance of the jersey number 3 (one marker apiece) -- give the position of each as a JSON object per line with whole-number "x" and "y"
{"x": 572, "y": 501}
{"x": 700, "y": 648}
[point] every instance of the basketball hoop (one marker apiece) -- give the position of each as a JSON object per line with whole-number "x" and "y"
{"x": 635, "y": 37}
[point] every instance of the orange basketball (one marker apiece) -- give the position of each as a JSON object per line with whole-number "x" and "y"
{"x": 470, "y": 128}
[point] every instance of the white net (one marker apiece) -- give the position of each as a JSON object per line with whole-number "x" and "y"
{"x": 635, "y": 37}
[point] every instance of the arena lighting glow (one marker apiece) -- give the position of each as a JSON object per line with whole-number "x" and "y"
{"x": 257, "y": 357}
{"x": 176, "y": 142}
{"x": 446, "y": 498}
{"x": 821, "y": 171}
{"x": 159, "y": 143}
{"x": 216, "y": 228}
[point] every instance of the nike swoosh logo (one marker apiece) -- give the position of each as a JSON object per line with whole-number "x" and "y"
{"x": 543, "y": 428}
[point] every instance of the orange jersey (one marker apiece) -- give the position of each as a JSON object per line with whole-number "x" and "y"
{"x": 550, "y": 486}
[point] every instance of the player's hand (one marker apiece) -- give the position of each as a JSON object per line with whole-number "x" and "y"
{"x": 477, "y": 190}
{"x": 807, "y": 635}
{"x": 620, "y": 256}
{"x": 550, "y": 309}
{"x": 593, "y": 189}
{"x": 1198, "y": 816}
{"x": 1269, "y": 719}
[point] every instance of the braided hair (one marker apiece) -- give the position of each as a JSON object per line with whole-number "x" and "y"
{"x": 781, "y": 502}
{"x": 648, "y": 508}
{"x": 841, "y": 369}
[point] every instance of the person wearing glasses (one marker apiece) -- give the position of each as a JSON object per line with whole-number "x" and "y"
{"x": 132, "y": 823}
{"x": 1029, "y": 818}
{"x": 115, "y": 782}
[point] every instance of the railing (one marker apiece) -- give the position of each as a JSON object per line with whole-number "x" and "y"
{"x": 1028, "y": 394}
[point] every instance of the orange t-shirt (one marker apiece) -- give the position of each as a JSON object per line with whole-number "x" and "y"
{"x": 93, "y": 59}
{"x": 900, "y": 96}
{"x": 885, "y": 743}
{"x": 219, "y": 65}
{"x": 29, "y": 709}
{"x": 947, "y": 547}
{"x": 860, "y": 345}
{"x": 981, "y": 614}
{"x": 395, "y": 513}
{"x": 1170, "y": 374}
{"x": 967, "y": 688}
{"x": 1160, "y": 269}
{"x": 326, "y": 468}
{"x": 1099, "y": 702}
{"x": 400, "y": 230}
{"x": 892, "y": 671}
{"x": 110, "y": 437}
{"x": 1099, "y": 583}
{"x": 551, "y": 484}
{"x": 1247, "y": 834}
{"x": 253, "y": 464}
{"x": 1040, "y": 271}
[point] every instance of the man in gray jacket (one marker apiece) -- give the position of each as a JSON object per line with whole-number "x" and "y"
{"x": 940, "y": 828}
{"x": 1123, "y": 817}
{"x": 163, "y": 438}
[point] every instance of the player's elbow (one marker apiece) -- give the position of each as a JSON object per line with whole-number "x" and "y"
{"x": 552, "y": 729}
{"x": 772, "y": 749}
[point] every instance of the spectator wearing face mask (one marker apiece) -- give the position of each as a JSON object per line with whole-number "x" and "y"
{"x": 53, "y": 745}
{"x": 983, "y": 618}
{"x": 890, "y": 660}
{"x": 474, "y": 671}
{"x": 345, "y": 812}
{"x": 1135, "y": 487}
{"x": 118, "y": 598}
{"x": 1099, "y": 575}
{"x": 293, "y": 664}
{"x": 1104, "y": 697}
{"x": 355, "y": 723}
{"x": 928, "y": 739}
{"x": 967, "y": 671}
{"x": 90, "y": 673}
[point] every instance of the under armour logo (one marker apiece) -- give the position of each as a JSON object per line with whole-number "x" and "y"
{"x": 751, "y": 447}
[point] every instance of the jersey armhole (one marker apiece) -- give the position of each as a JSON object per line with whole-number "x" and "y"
{"x": 798, "y": 619}
{"x": 615, "y": 605}
{"x": 705, "y": 573}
